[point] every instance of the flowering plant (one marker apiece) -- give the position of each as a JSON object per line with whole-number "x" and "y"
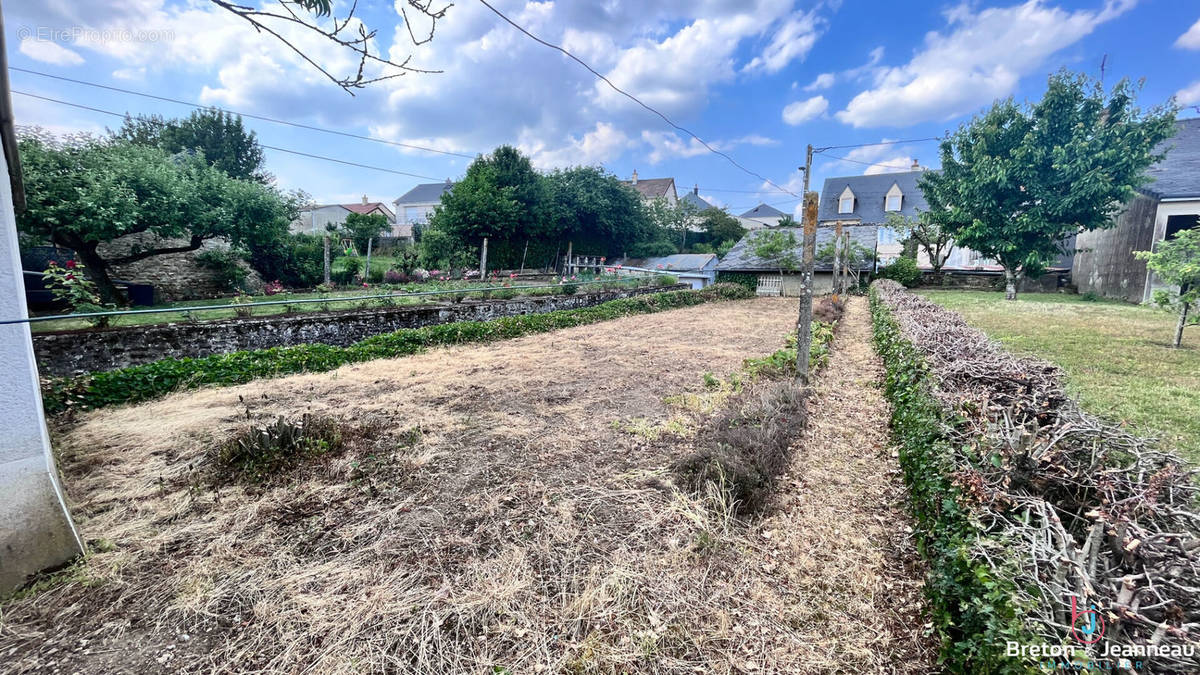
{"x": 68, "y": 284}
{"x": 273, "y": 288}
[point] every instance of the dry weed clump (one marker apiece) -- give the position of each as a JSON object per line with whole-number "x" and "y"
{"x": 1088, "y": 511}
{"x": 742, "y": 452}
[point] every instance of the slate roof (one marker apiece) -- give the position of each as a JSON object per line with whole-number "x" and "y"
{"x": 425, "y": 193}
{"x": 869, "y": 193}
{"x": 682, "y": 262}
{"x": 652, "y": 188}
{"x": 695, "y": 200}
{"x": 1178, "y": 174}
{"x": 741, "y": 259}
{"x": 763, "y": 211}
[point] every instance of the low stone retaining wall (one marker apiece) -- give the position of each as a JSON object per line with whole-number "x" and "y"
{"x": 1050, "y": 282}
{"x": 77, "y": 352}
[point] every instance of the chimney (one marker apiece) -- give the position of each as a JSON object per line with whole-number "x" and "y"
{"x": 916, "y": 166}
{"x": 635, "y": 177}
{"x": 696, "y": 189}
{"x": 447, "y": 181}
{"x": 364, "y": 200}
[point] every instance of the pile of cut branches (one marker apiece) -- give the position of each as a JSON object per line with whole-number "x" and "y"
{"x": 1086, "y": 511}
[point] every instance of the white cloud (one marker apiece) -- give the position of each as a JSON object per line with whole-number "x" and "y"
{"x": 793, "y": 40}
{"x": 822, "y": 81}
{"x": 597, "y": 146}
{"x": 980, "y": 59}
{"x": 49, "y": 52}
{"x": 800, "y": 112}
{"x": 1190, "y": 39}
{"x": 1189, "y": 95}
{"x": 669, "y": 145}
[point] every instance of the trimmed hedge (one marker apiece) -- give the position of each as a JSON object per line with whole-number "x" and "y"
{"x": 745, "y": 279}
{"x": 975, "y": 606}
{"x": 147, "y": 381}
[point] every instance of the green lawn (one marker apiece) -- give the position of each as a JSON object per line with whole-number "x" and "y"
{"x": 1117, "y": 356}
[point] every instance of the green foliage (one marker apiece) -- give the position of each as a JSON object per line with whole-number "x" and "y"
{"x": 786, "y": 220}
{"x": 1018, "y": 180}
{"x": 258, "y": 452}
{"x": 83, "y": 192}
{"x": 782, "y": 363}
{"x": 923, "y": 231}
{"x": 361, "y": 228}
{"x": 651, "y": 249}
{"x": 71, "y": 286}
{"x": 1176, "y": 261}
{"x": 721, "y": 227}
{"x": 295, "y": 260}
{"x": 226, "y": 266}
{"x": 904, "y": 270}
{"x": 144, "y": 382}
{"x": 975, "y": 605}
{"x": 748, "y": 280}
{"x": 671, "y": 221}
{"x": 777, "y": 247}
{"x": 217, "y": 135}
{"x": 595, "y": 210}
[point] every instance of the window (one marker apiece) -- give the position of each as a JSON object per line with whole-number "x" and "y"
{"x": 846, "y": 201}
{"x": 894, "y": 199}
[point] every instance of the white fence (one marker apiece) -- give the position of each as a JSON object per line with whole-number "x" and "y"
{"x": 769, "y": 285}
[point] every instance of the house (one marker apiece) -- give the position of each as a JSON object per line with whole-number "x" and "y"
{"x": 416, "y": 206}
{"x": 741, "y": 259}
{"x": 315, "y": 219}
{"x": 697, "y": 269}
{"x": 763, "y": 215}
{"x": 1104, "y": 261}
{"x": 696, "y": 200}
{"x": 650, "y": 189}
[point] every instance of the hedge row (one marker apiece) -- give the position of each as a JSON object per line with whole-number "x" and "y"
{"x": 144, "y": 382}
{"x": 976, "y": 607}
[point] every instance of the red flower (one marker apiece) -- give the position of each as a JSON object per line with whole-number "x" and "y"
{"x": 53, "y": 264}
{"x": 70, "y": 264}
{"x": 70, "y": 277}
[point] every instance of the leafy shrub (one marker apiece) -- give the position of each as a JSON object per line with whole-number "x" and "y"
{"x": 295, "y": 260}
{"x": 69, "y": 285}
{"x": 904, "y": 270}
{"x": 782, "y": 363}
{"x": 273, "y": 288}
{"x": 746, "y": 279}
{"x": 257, "y": 452}
{"x": 570, "y": 288}
{"x": 226, "y": 267}
{"x": 352, "y": 265}
{"x": 242, "y": 305}
{"x": 147, "y": 381}
{"x": 665, "y": 280}
{"x": 394, "y": 276}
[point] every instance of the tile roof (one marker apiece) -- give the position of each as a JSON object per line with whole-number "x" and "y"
{"x": 741, "y": 259}
{"x": 763, "y": 211}
{"x": 425, "y": 193}
{"x": 869, "y": 193}
{"x": 368, "y": 208}
{"x": 1178, "y": 174}
{"x": 652, "y": 188}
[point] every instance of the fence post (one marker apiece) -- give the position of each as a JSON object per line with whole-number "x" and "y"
{"x": 483, "y": 261}
{"x": 327, "y": 259}
{"x": 367, "y": 269}
{"x": 567, "y": 268}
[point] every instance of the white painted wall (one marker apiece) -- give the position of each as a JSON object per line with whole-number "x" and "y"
{"x": 36, "y": 531}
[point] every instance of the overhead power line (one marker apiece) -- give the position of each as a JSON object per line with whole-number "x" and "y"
{"x": 264, "y": 118}
{"x": 633, "y": 98}
{"x": 867, "y": 145}
{"x": 855, "y": 161}
{"x": 269, "y": 147}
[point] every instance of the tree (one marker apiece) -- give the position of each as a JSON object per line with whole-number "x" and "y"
{"x": 776, "y": 247}
{"x": 1019, "y": 180}
{"x": 595, "y": 211}
{"x": 924, "y": 232}
{"x": 787, "y": 221}
{"x": 298, "y": 20}
{"x": 673, "y": 219}
{"x": 720, "y": 227}
{"x": 85, "y": 192}
{"x": 1176, "y": 261}
{"x": 218, "y": 135}
{"x": 361, "y": 228}
{"x": 502, "y": 198}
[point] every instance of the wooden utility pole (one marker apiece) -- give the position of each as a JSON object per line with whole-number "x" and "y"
{"x": 483, "y": 261}
{"x": 367, "y": 270}
{"x": 804, "y": 324}
{"x": 327, "y": 259}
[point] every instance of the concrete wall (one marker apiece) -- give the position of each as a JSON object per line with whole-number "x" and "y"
{"x": 1105, "y": 264}
{"x": 35, "y": 527}
{"x": 76, "y": 352}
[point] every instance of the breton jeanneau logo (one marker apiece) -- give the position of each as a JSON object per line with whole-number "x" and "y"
{"x": 1087, "y": 626}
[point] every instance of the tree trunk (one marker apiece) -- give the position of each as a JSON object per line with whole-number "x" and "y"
{"x": 1010, "y": 283}
{"x": 804, "y": 321}
{"x": 97, "y": 271}
{"x": 1183, "y": 315}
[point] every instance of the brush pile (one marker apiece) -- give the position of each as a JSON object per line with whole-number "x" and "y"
{"x": 1084, "y": 510}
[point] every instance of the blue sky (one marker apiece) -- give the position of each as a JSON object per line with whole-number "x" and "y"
{"x": 758, "y": 78}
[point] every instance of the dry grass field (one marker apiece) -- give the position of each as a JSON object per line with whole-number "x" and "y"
{"x": 500, "y": 508}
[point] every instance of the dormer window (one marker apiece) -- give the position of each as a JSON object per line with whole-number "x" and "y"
{"x": 894, "y": 199}
{"x": 846, "y": 201}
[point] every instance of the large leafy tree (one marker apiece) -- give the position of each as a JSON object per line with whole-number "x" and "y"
{"x": 220, "y": 136}
{"x": 673, "y": 219}
{"x": 362, "y": 227}
{"x": 1019, "y": 180}
{"x": 1176, "y": 261}
{"x": 720, "y": 227}
{"x": 595, "y": 211}
{"x": 84, "y": 192}
{"x": 922, "y": 231}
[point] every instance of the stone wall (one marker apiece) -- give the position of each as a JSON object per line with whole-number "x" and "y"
{"x": 1105, "y": 264}
{"x": 175, "y": 276}
{"x": 77, "y": 352}
{"x": 1050, "y": 282}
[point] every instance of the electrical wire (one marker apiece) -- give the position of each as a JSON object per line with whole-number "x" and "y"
{"x": 269, "y": 147}
{"x": 264, "y": 118}
{"x": 633, "y": 98}
{"x": 855, "y": 161}
{"x": 867, "y": 145}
